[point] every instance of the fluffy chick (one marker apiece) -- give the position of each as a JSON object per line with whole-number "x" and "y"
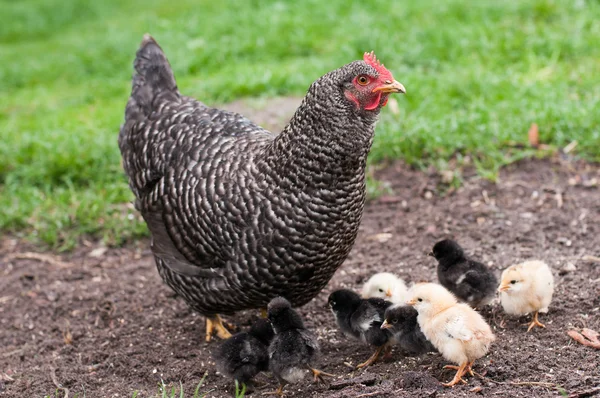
{"x": 526, "y": 288}
{"x": 471, "y": 281}
{"x": 294, "y": 349}
{"x": 362, "y": 319}
{"x": 245, "y": 354}
{"x": 401, "y": 321}
{"x": 455, "y": 329}
{"x": 386, "y": 286}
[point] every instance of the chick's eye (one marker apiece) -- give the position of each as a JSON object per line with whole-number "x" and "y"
{"x": 513, "y": 282}
{"x": 380, "y": 290}
{"x": 362, "y": 80}
{"x": 395, "y": 320}
{"x": 419, "y": 300}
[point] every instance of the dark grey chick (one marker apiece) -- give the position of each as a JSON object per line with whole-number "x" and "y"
{"x": 245, "y": 354}
{"x": 469, "y": 280}
{"x": 401, "y": 321}
{"x": 361, "y": 319}
{"x": 294, "y": 349}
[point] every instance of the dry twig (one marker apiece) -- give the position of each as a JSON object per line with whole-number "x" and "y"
{"x": 587, "y": 337}
{"x": 57, "y": 384}
{"x": 44, "y": 258}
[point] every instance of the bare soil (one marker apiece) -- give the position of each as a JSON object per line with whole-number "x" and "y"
{"x": 102, "y": 320}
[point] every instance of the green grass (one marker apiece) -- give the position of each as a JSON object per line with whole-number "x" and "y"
{"x": 478, "y": 73}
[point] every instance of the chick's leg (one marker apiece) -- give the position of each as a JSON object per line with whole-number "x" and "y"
{"x": 535, "y": 322}
{"x": 462, "y": 369}
{"x": 213, "y": 324}
{"x": 372, "y": 359}
{"x": 319, "y": 375}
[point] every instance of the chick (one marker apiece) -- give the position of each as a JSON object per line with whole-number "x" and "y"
{"x": 294, "y": 349}
{"x": 526, "y": 288}
{"x": 245, "y": 354}
{"x": 471, "y": 281}
{"x": 401, "y": 321}
{"x": 386, "y": 286}
{"x": 362, "y": 319}
{"x": 456, "y": 330}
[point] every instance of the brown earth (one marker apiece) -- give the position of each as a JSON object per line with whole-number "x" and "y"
{"x": 101, "y": 319}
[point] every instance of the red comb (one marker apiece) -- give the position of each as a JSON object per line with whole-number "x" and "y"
{"x": 372, "y": 60}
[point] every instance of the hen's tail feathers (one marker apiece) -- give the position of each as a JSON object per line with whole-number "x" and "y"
{"x": 153, "y": 79}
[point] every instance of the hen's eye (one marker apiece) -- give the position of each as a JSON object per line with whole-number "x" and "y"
{"x": 362, "y": 80}
{"x": 513, "y": 282}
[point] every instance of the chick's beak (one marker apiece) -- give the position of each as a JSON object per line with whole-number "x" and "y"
{"x": 390, "y": 86}
{"x": 388, "y": 293}
{"x": 503, "y": 288}
{"x": 430, "y": 254}
{"x": 411, "y": 302}
{"x": 385, "y": 325}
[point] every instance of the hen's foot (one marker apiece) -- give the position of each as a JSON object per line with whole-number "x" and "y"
{"x": 535, "y": 322}
{"x": 215, "y": 324}
{"x": 371, "y": 360}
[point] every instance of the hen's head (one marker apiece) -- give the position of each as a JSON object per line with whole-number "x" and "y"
{"x": 361, "y": 86}
{"x": 368, "y": 84}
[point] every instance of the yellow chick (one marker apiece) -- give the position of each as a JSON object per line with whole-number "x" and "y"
{"x": 458, "y": 332}
{"x": 386, "y": 286}
{"x": 526, "y": 288}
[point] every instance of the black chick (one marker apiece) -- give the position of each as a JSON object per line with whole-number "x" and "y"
{"x": 401, "y": 321}
{"x": 294, "y": 349}
{"x": 245, "y": 354}
{"x": 469, "y": 280}
{"x": 362, "y": 319}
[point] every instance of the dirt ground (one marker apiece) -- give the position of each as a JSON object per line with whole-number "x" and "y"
{"x": 101, "y": 320}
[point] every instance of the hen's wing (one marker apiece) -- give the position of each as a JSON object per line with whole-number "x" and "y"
{"x": 185, "y": 161}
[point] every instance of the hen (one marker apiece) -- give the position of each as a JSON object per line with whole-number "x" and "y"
{"x": 237, "y": 214}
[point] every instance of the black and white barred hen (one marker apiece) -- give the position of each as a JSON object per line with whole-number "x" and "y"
{"x": 239, "y": 215}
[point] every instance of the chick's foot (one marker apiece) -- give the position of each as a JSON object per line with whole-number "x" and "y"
{"x": 371, "y": 360}
{"x": 278, "y": 392}
{"x": 460, "y": 371}
{"x": 535, "y": 322}
{"x": 319, "y": 375}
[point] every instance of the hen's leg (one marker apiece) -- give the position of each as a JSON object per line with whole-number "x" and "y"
{"x": 372, "y": 359}
{"x": 263, "y": 312}
{"x": 535, "y": 322}
{"x": 462, "y": 369}
{"x": 213, "y": 324}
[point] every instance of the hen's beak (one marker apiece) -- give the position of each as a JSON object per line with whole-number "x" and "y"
{"x": 390, "y": 87}
{"x": 411, "y": 302}
{"x": 388, "y": 293}
{"x": 385, "y": 325}
{"x": 503, "y": 288}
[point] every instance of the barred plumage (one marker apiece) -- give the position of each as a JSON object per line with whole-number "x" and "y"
{"x": 237, "y": 214}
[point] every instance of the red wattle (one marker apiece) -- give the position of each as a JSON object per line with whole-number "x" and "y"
{"x": 375, "y": 103}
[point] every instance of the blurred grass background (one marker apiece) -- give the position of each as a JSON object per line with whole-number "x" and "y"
{"x": 478, "y": 73}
